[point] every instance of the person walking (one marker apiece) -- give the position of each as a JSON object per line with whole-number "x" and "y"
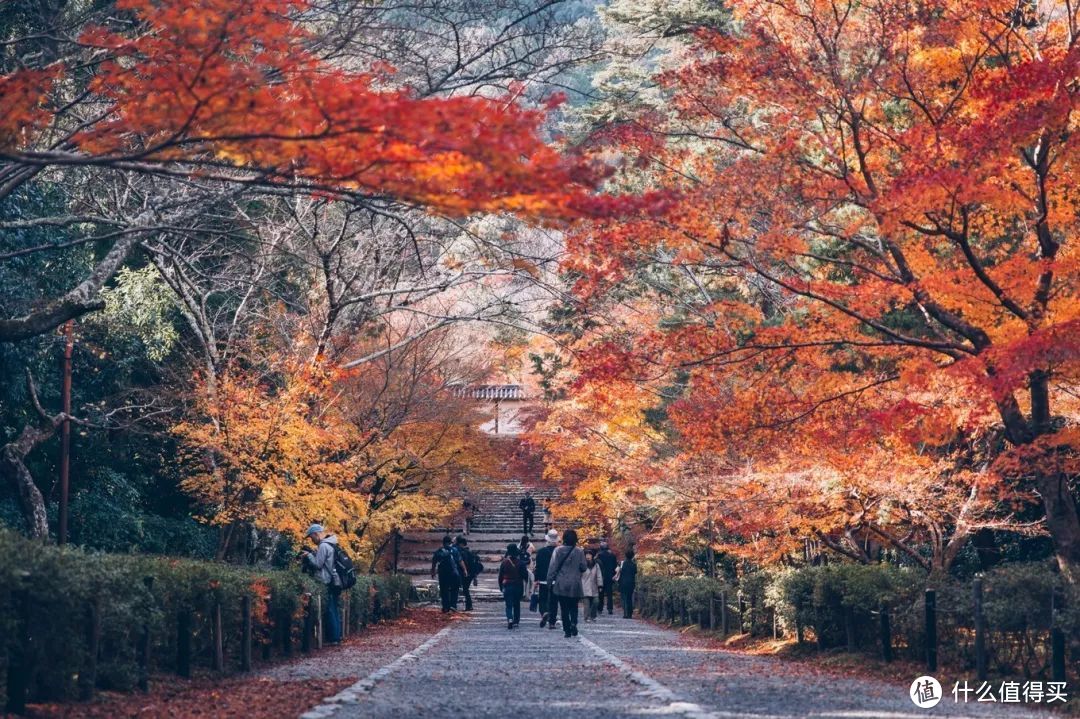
{"x": 512, "y": 585}
{"x": 528, "y": 509}
{"x": 446, "y": 562}
{"x": 591, "y": 582}
{"x": 608, "y": 562}
{"x": 540, "y": 570}
{"x": 564, "y": 580}
{"x": 469, "y": 562}
{"x": 627, "y": 578}
{"x": 322, "y": 561}
{"x": 525, "y": 546}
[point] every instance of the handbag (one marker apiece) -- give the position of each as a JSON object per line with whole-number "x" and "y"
{"x": 534, "y": 602}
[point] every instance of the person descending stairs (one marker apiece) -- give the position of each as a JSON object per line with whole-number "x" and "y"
{"x": 495, "y": 522}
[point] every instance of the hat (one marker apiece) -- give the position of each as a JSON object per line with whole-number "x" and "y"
{"x": 551, "y": 537}
{"x": 314, "y": 528}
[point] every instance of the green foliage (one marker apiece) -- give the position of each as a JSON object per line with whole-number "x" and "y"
{"x": 838, "y": 605}
{"x": 50, "y": 590}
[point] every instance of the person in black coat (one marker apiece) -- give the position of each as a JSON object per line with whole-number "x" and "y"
{"x": 608, "y": 562}
{"x": 540, "y": 570}
{"x": 528, "y": 508}
{"x": 627, "y": 583}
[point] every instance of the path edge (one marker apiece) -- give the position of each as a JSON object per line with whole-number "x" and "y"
{"x": 351, "y": 694}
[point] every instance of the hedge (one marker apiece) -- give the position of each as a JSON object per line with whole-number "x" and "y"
{"x": 838, "y": 606}
{"x": 48, "y": 594}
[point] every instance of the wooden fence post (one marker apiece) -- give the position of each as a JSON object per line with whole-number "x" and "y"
{"x": 723, "y": 614}
{"x": 886, "y": 633}
{"x": 20, "y": 668}
{"x": 308, "y": 636}
{"x": 285, "y": 631}
{"x": 217, "y": 629}
{"x": 980, "y": 629}
{"x": 245, "y": 633}
{"x": 931, "y": 630}
{"x": 92, "y": 629}
{"x": 183, "y": 643}
{"x": 143, "y": 650}
{"x": 1057, "y": 638}
{"x": 849, "y": 628}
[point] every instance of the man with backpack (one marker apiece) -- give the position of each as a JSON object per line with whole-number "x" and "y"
{"x": 528, "y": 508}
{"x": 472, "y": 566}
{"x": 446, "y": 563}
{"x": 335, "y": 569}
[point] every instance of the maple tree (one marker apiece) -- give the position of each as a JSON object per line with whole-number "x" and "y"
{"x": 228, "y": 97}
{"x": 872, "y": 252}
{"x": 365, "y": 450}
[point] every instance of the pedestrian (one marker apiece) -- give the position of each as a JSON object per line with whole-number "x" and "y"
{"x": 525, "y": 546}
{"x": 322, "y": 561}
{"x": 627, "y": 578}
{"x": 512, "y": 585}
{"x": 540, "y": 570}
{"x": 472, "y": 566}
{"x": 528, "y": 508}
{"x": 446, "y": 562}
{"x": 591, "y": 582}
{"x": 564, "y": 579}
{"x": 608, "y": 562}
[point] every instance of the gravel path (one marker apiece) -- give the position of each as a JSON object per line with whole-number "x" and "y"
{"x": 616, "y": 668}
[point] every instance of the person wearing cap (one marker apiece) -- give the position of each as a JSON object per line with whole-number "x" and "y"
{"x": 608, "y": 562}
{"x": 322, "y": 561}
{"x": 540, "y": 569}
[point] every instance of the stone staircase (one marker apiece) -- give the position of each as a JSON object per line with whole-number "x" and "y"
{"x": 495, "y": 522}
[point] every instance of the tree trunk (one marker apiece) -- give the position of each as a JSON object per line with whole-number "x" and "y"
{"x": 31, "y": 500}
{"x": 1063, "y": 522}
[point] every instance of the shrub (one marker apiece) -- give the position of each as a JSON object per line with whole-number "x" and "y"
{"x": 50, "y": 590}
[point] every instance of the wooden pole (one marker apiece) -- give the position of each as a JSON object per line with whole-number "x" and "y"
{"x": 245, "y": 633}
{"x": 1057, "y": 639}
{"x": 931, "y": 630}
{"x": 723, "y": 614}
{"x": 65, "y": 433}
{"x": 92, "y": 628}
{"x": 20, "y": 667}
{"x": 980, "y": 629}
{"x": 307, "y": 639}
{"x": 886, "y": 633}
{"x": 319, "y": 621}
{"x": 183, "y": 643}
{"x": 219, "y": 640}
{"x": 144, "y": 646}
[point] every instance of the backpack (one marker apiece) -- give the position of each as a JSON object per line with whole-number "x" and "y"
{"x": 476, "y": 567}
{"x": 512, "y": 571}
{"x": 447, "y": 565}
{"x": 343, "y": 568}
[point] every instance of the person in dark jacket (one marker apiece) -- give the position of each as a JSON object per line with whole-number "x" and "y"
{"x": 446, "y": 562}
{"x": 467, "y": 563}
{"x": 627, "y": 578}
{"x": 540, "y": 570}
{"x": 608, "y": 562}
{"x": 528, "y": 508}
{"x": 512, "y": 585}
{"x": 564, "y": 578}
